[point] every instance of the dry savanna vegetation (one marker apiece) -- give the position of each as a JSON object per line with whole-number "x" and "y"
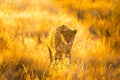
{"x": 25, "y": 25}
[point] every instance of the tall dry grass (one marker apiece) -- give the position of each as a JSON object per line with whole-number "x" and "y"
{"x": 24, "y": 27}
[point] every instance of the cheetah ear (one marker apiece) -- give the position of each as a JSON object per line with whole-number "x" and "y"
{"x": 74, "y": 31}
{"x": 61, "y": 31}
{"x": 63, "y": 26}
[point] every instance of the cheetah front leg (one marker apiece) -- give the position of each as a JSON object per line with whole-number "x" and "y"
{"x": 58, "y": 57}
{"x": 68, "y": 56}
{"x": 50, "y": 55}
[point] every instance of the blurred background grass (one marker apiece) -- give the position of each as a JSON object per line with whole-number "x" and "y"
{"x": 24, "y": 27}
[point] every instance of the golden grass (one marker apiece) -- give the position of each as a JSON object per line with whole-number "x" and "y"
{"x": 24, "y": 27}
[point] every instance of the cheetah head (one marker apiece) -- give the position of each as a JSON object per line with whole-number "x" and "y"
{"x": 67, "y": 34}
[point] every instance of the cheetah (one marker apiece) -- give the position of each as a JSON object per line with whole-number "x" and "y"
{"x": 60, "y": 41}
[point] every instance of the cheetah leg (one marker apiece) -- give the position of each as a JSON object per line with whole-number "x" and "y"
{"x": 58, "y": 57}
{"x": 68, "y": 55}
{"x": 50, "y": 55}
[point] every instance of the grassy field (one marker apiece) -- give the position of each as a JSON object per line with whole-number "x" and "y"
{"x": 25, "y": 25}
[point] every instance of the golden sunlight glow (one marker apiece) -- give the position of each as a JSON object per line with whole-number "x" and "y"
{"x": 24, "y": 28}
